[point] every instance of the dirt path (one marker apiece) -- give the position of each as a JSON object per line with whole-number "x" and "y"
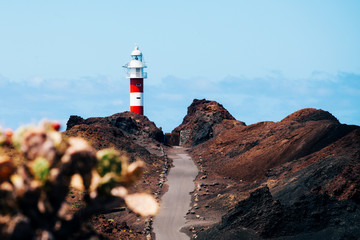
{"x": 176, "y": 201}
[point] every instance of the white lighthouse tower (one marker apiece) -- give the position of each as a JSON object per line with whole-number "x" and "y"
{"x": 135, "y": 71}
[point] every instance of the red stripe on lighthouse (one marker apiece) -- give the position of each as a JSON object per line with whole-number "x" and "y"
{"x": 136, "y": 95}
{"x": 136, "y": 85}
{"x": 137, "y": 109}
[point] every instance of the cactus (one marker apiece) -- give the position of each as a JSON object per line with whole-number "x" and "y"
{"x": 40, "y": 169}
{"x": 37, "y": 168}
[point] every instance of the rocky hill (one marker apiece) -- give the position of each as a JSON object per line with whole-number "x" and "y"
{"x": 204, "y": 120}
{"x": 306, "y": 166}
{"x": 136, "y": 137}
{"x": 131, "y": 124}
{"x": 248, "y": 152}
{"x": 298, "y": 178}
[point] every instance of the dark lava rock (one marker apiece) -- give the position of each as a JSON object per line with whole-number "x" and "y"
{"x": 202, "y": 120}
{"x": 311, "y": 165}
{"x": 126, "y": 124}
{"x": 129, "y": 123}
{"x": 314, "y": 216}
{"x": 135, "y": 137}
{"x": 117, "y": 131}
{"x": 334, "y": 170}
{"x": 248, "y": 152}
{"x": 102, "y": 136}
{"x": 74, "y": 120}
{"x": 310, "y": 114}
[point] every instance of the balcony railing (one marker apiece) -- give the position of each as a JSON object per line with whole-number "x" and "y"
{"x": 136, "y": 75}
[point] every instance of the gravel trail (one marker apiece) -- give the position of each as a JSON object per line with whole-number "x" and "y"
{"x": 176, "y": 201}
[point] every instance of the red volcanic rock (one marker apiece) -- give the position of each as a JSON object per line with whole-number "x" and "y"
{"x": 333, "y": 170}
{"x": 294, "y": 179}
{"x": 134, "y": 136}
{"x": 310, "y": 114}
{"x": 262, "y": 217}
{"x": 123, "y": 132}
{"x": 203, "y": 121}
{"x": 103, "y": 136}
{"x": 311, "y": 165}
{"x": 248, "y": 152}
{"x": 129, "y": 123}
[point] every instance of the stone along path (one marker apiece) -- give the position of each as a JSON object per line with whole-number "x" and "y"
{"x": 176, "y": 201}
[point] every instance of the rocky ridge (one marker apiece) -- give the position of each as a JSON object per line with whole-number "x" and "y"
{"x": 138, "y": 138}
{"x": 294, "y": 179}
{"x": 204, "y": 120}
{"x": 307, "y": 162}
{"x": 129, "y": 123}
{"x": 314, "y": 216}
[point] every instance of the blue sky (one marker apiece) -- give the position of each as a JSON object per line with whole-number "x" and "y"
{"x": 261, "y": 59}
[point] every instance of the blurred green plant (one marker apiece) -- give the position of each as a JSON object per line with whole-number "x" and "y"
{"x": 37, "y": 168}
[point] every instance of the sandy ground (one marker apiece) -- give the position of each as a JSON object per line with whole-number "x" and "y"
{"x": 176, "y": 202}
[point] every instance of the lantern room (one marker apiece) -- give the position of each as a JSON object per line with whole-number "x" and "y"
{"x": 135, "y": 68}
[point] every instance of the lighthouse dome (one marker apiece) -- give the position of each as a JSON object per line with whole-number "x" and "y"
{"x": 136, "y": 52}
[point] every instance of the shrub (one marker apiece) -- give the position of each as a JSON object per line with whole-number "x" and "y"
{"x": 37, "y": 168}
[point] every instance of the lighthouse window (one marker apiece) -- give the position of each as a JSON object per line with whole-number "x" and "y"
{"x": 138, "y": 84}
{"x": 138, "y": 97}
{"x": 138, "y": 72}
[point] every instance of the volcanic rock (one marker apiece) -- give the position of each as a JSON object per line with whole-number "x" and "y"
{"x": 334, "y": 170}
{"x": 310, "y": 114}
{"x": 131, "y": 134}
{"x": 102, "y": 135}
{"x": 136, "y": 137}
{"x": 203, "y": 121}
{"x": 315, "y": 216}
{"x": 123, "y": 132}
{"x": 129, "y": 123}
{"x": 310, "y": 165}
{"x": 294, "y": 179}
{"x": 248, "y": 152}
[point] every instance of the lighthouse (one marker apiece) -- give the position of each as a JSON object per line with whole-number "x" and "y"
{"x": 135, "y": 71}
